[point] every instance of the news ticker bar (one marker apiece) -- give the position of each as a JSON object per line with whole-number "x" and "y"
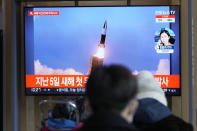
{"x": 79, "y": 81}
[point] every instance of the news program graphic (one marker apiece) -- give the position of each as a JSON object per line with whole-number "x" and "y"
{"x": 164, "y": 41}
{"x": 165, "y": 16}
{"x": 64, "y": 44}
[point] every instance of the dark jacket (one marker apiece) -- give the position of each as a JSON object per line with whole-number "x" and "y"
{"x": 170, "y": 123}
{"x": 151, "y": 115}
{"x": 107, "y": 121}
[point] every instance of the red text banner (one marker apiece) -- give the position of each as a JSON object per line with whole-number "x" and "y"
{"x": 42, "y": 13}
{"x": 56, "y": 81}
{"x": 79, "y": 81}
{"x": 165, "y": 16}
{"x": 168, "y": 81}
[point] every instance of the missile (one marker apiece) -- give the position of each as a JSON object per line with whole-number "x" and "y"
{"x": 103, "y": 35}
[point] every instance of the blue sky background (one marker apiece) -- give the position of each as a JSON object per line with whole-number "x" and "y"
{"x": 68, "y": 40}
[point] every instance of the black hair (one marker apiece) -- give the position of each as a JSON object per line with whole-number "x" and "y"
{"x": 111, "y": 88}
{"x": 171, "y": 40}
{"x": 60, "y": 111}
{"x": 63, "y": 111}
{"x": 165, "y": 31}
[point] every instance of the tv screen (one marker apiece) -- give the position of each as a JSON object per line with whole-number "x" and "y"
{"x": 63, "y": 45}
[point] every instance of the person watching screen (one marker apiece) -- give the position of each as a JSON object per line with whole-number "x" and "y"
{"x": 62, "y": 118}
{"x": 110, "y": 97}
{"x": 152, "y": 113}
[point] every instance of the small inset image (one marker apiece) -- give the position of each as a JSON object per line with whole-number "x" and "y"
{"x": 164, "y": 40}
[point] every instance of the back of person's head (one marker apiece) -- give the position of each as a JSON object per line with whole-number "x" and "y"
{"x": 111, "y": 88}
{"x": 148, "y": 87}
{"x": 63, "y": 111}
{"x": 60, "y": 111}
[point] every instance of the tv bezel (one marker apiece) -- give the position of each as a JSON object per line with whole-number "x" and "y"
{"x": 82, "y": 94}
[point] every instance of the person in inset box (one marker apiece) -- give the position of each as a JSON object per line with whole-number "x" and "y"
{"x": 153, "y": 113}
{"x": 111, "y": 92}
{"x": 166, "y": 39}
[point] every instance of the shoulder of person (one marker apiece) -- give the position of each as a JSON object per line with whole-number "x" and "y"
{"x": 174, "y": 123}
{"x": 170, "y": 123}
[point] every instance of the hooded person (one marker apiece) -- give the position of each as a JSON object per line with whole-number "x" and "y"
{"x": 153, "y": 113}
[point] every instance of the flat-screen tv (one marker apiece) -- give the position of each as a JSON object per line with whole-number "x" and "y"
{"x": 63, "y": 45}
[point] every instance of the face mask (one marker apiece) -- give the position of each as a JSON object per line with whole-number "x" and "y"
{"x": 131, "y": 119}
